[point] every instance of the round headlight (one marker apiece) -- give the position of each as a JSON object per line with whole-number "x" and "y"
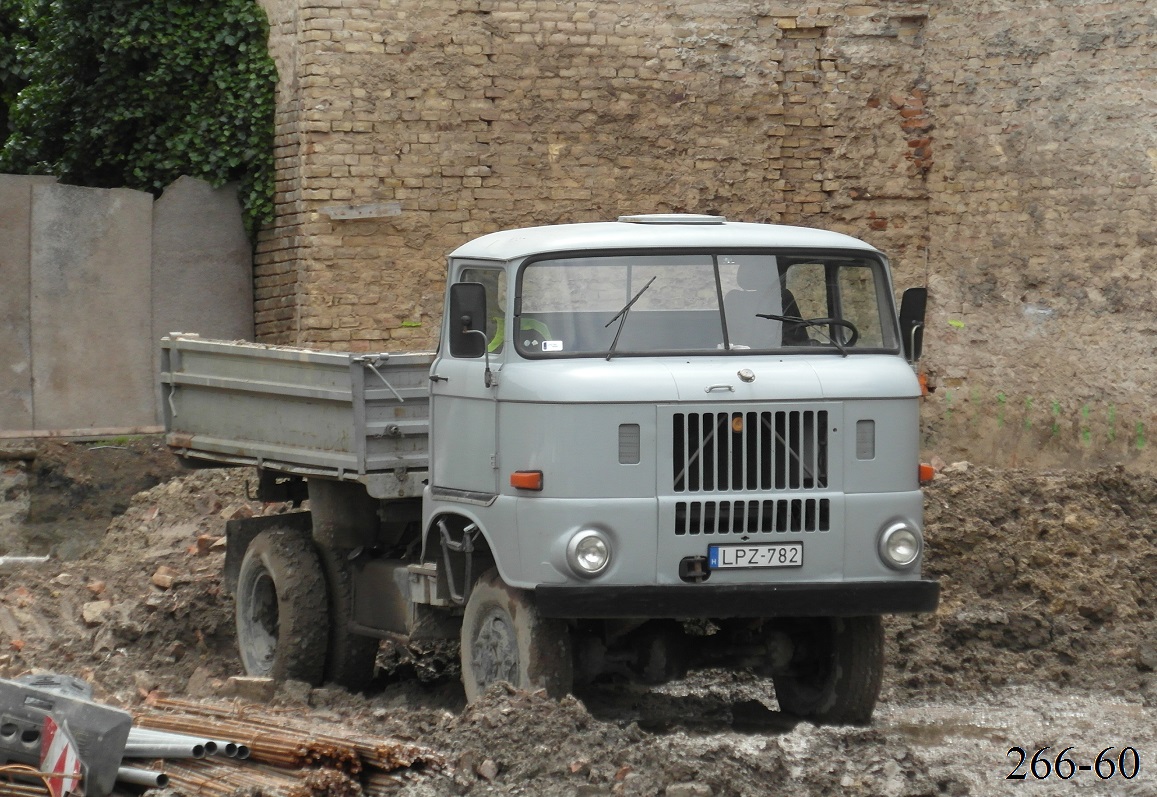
{"x": 900, "y": 546}
{"x": 588, "y": 553}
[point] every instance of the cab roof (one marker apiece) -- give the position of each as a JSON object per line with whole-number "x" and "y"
{"x": 653, "y": 231}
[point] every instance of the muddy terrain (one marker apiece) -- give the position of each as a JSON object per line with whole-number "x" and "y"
{"x": 1046, "y": 637}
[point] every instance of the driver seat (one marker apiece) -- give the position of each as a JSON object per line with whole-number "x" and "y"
{"x": 757, "y": 293}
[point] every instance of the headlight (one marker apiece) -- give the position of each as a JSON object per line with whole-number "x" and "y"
{"x": 588, "y": 553}
{"x": 900, "y": 546}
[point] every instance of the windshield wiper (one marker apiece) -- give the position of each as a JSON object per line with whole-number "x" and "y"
{"x": 623, "y": 315}
{"x": 820, "y": 322}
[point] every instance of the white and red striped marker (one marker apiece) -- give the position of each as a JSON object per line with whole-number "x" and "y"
{"x": 58, "y": 755}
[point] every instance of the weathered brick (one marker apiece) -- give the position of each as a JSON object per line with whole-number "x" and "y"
{"x": 812, "y": 114}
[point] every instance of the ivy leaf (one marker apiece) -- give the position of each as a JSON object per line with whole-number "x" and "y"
{"x": 136, "y": 93}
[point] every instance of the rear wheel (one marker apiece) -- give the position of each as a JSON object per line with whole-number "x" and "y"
{"x": 350, "y": 657}
{"x": 836, "y": 673}
{"x": 505, "y": 639}
{"x": 281, "y": 608}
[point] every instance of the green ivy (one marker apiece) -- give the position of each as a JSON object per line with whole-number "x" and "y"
{"x": 13, "y": 44}
{"x": 136, "y": 93}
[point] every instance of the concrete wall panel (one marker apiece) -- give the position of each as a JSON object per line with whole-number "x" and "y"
{"x": 90, "y": 314}
{"x": 202, "y": 266}
{"x": 15, "y": 328}
{"x": 202, "y": 272}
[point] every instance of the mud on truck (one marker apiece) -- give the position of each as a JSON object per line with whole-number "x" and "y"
{"x": 642, "y": 446}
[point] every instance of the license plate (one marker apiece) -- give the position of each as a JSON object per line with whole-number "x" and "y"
{"x": 772, "y": 554}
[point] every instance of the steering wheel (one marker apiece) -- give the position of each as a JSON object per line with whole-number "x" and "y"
{"x": 837, "y": 322}
{"x": 819, "y": 322}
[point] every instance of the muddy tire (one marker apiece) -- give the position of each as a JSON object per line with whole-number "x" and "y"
{"x": 505, "y": 639}
{"x": 350, "y": 657}
{"x": 281, "y": 608}
{"x": 837, "y": 675}
{"x": 661, "y": 654}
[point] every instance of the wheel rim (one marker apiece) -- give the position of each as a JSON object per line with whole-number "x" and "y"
{"x": 495, "y": 649}
{"x": 261, "y": 625}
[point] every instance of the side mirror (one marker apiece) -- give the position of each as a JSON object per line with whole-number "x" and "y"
{"x": 912, "y": 308}
{"x": 467, "y": 309}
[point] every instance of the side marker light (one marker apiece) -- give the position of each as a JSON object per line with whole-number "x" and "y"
{"x": 526, "y": 480}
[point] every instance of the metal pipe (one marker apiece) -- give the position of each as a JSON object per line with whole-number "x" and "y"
{"x": 142, "y": 777}
{"x": 153, "y": 736}
{"x": 156, "y": 733}
{"x": 19, "y": 561}
{"x": 223, "y": 747}
{"x": 163, "y": 750}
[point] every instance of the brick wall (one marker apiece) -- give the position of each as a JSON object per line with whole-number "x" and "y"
{"x": 468, "y": 117}
{"x": 1002, "y": 152}
{"x": 1042, "y": 233}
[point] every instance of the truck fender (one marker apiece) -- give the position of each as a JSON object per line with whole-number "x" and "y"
{"x": 458, "y": 524}
{"x": 240, "y": 532}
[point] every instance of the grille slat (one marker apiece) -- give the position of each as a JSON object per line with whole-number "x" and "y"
{"x": 772, "y": 516}
{"x": 736, "y": 451}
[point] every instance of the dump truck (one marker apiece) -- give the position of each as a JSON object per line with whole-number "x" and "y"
{"x": 642, "y": 446}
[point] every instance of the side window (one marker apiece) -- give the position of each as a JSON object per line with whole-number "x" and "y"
{"x": 806, "y": 284}
{"x": 859, "y": 303}
{"x": 494, "y": 280}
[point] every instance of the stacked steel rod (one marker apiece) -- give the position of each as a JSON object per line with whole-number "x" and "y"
{"x": 284, "y": 752}
{"x": 12, "y": 788}
{"x": 280, "y": 740}
{"x": 201, "y": 749}
{"x": 210, "y": 778}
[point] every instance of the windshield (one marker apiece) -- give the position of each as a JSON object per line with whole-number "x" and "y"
{"x": 622, "y": 305}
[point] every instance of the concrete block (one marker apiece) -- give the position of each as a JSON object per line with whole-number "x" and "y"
{"x": 91, "y": 252}
{"x": 202, "y": 265}
{"x": 15, "y": 324}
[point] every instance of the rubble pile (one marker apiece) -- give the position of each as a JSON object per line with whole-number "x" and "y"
{"x": 1048, "y": 582}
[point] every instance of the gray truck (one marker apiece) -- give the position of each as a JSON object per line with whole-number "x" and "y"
{"x": 642, "y": 446}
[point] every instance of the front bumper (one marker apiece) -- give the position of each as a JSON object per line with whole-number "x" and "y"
{"x": 826, "y": 599}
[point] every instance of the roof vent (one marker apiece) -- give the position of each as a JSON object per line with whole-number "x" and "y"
{"x": 672, "y": 218}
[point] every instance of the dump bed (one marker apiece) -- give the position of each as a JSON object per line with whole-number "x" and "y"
{"x": 360, "y": 417}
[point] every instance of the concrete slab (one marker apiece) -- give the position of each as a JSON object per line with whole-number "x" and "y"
{"x": 202, "y": 265}
{"x": 15, "y": 328}
{"x": 91, "y": 252}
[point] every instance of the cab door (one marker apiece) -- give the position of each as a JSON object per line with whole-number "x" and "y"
{"x": 463, "y": 391}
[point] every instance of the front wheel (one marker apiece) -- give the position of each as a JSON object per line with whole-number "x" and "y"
{"x": 505, "y": 639}
{"x": 836, "y": 673}
{"x": 281, "y": 608}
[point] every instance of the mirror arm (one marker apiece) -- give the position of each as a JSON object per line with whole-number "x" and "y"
{"x": 913, "y": 355}
{"x": 488, "y": 379}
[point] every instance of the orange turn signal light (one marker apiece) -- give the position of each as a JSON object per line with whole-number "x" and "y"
{"x": 927, "y": 473}
{"x": 526, "y": 479}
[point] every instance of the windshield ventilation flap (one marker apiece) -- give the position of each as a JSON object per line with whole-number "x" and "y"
{"x": 672, "y": 218}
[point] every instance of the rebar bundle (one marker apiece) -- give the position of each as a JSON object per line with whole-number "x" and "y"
{"x": 282, "y": 749}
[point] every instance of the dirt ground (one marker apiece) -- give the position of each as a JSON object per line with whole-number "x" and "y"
{"x": 1046, "y": 638}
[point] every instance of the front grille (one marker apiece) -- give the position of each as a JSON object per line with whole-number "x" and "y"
{"x": 752, "y": 517}
{"x": 721, "y": 451}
